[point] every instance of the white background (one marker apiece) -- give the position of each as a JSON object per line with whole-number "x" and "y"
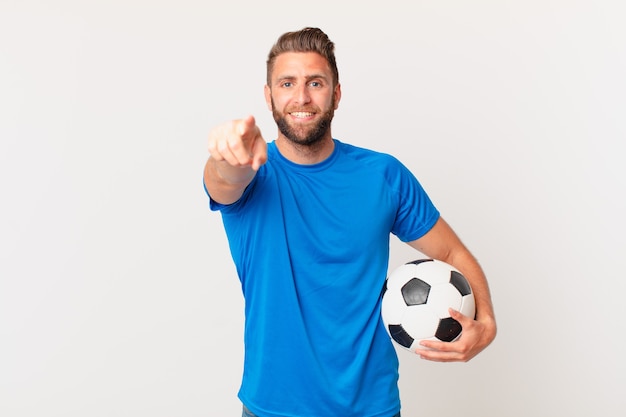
{"x": 118, "y": 296}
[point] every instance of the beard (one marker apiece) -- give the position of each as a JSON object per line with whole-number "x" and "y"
{"x": 308, "y": 136}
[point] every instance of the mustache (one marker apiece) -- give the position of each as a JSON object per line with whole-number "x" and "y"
{"x": 302, "y": 109}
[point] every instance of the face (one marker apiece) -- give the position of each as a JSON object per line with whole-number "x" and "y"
{"x": 302, "y": 97}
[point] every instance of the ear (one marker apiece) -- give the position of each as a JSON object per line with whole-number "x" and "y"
{"x": 337, "y": 94}
{"x": 268, "y": 97}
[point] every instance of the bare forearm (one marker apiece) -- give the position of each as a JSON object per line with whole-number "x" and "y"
{"x": 442, "y": 243}
{"x": 224, "y": 182}
{"x": 470, "y": 268}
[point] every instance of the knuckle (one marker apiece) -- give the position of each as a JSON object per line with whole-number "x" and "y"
{"x": 235, "y": 144}
{"x": 223, "y": 147}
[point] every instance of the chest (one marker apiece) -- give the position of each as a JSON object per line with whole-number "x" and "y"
{"x": 348, "y": 213}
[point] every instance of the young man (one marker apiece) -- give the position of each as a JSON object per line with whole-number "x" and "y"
{"x": 308, "y": 219}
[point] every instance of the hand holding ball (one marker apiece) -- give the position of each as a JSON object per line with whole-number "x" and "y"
{"x": 416, "y": 299}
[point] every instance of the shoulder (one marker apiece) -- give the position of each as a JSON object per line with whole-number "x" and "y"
{"x": 365, "y": 155}
{"x": 371, "y": 163}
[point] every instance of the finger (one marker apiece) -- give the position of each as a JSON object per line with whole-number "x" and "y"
{"x": 253, "y": 141}
{"x": 439, "y": 351}
{"x": 218, "y": 144}
{"x": 214, "y": 147}
{"x": 214, "y": 152}
{"x": 247, "y": 130}
{"x": 226, "y": 142}
{"x": 464, "y": 321}
{"x": 435, "y": 345}
{"x": 437, "y": 356}
{"x": 244, "y": 143}
{"x": 246, "y": 125}
{"x": 234, "y": 152}
{"x": 259, "y": 153}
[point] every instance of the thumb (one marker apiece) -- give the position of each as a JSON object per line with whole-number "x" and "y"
{"x": 460, "y": 317}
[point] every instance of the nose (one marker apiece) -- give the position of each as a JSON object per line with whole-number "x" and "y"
{"x": 302, "y": 95}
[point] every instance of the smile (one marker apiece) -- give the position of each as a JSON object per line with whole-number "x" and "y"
{"x": 302, "y": 114}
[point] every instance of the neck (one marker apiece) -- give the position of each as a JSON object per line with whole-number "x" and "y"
{"x": 305, "y": 154}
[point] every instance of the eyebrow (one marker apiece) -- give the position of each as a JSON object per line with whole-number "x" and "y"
{"x": 308, "y": 77}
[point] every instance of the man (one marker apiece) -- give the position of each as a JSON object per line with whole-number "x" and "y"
{"x": 308, "y": 219}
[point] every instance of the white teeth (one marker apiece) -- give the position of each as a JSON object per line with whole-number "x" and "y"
{"x": 301, "y": 114}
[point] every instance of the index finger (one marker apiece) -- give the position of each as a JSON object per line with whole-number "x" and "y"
{"x": 247, "y": 128}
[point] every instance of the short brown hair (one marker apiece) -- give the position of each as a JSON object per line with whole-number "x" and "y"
{"x": 306, "y": 40}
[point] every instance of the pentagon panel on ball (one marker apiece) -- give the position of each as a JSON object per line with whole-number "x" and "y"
{"x": 416, "y": 299}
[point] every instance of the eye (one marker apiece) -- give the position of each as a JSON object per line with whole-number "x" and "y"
{"x": 315, "y": 84}
{"x": 287, "y": 84}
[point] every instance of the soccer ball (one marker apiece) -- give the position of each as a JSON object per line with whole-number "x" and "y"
{"x": 416, "y": 298}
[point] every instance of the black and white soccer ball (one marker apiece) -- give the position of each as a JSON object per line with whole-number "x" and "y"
{"x": 416, "y": 299}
